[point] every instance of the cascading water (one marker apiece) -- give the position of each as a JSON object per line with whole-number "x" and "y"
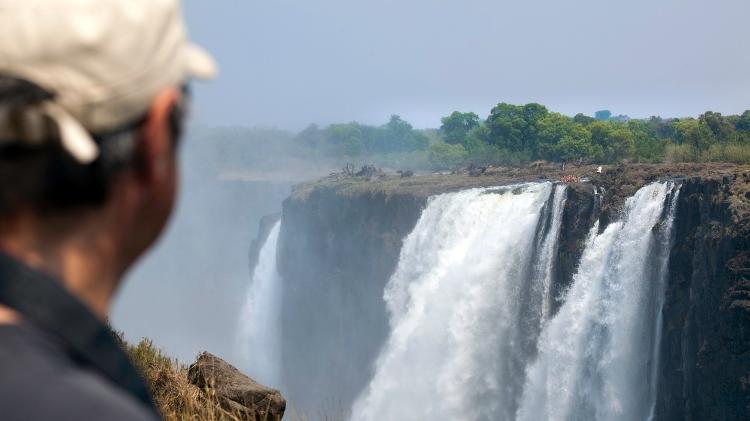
{"x": 597, "y": 357}
{"x": 468, "y": 295}
{"x": 259, "y": 332}
{"x": 471, "y": 336}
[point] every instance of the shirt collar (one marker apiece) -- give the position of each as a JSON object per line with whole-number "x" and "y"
{"x": 44, "y": 302}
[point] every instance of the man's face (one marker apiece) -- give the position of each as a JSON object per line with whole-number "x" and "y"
{"x": 159, "y": 208}
{"x": 156, "y": 178}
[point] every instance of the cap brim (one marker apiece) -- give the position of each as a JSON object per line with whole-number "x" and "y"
{"x": 200, "y": 64}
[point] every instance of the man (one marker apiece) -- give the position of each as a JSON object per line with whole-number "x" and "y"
{"x": 91, "y": 103}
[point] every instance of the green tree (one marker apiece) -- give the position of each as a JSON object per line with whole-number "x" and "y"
{"x": 691, "y": 132}
{"x": 478, "y": 148}
{"x": 723, "y": 130}
{"x": 551, "y": 130}
{"x": 506, "y": 124}
{"x": 400, "y": 136}
{"x": 649, "y": 146}
{"x": 457, "y": 126}
{"x": 603, "y": 115}
{"x": 533, "y": 113}
{"x": 743, "y": 122}
{"x": 514, "y": 134}
{"x": 515, "y": 127}
{"x": 345, "y": 139}
{"x": 614, "y": 139}
{"x": 657, "y": 127}
{"x": 311, "y": 136}
{"x": 577, "y": 145}
{"x": 446, "y": 156}
{"x": 583, "y": 119}
{"x": 373, "y": 138}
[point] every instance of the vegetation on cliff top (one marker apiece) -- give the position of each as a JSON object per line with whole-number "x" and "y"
{"x": 523, "y": 133}
{"x": 509, "y": 135}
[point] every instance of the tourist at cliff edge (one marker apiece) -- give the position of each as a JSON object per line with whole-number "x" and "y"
{"x": 92, "y": 100}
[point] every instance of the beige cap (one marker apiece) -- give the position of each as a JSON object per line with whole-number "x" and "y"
{"x": 105, "y": 60}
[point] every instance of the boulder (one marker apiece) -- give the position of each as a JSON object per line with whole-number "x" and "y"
{"x": 237, "y": 393}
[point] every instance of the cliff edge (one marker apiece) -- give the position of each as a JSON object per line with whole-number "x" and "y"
{"x": 341, "y": 236}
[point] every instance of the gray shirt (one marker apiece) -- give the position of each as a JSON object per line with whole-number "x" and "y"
{"x": 38, "y": 381}
{"x": 62, "y": 362}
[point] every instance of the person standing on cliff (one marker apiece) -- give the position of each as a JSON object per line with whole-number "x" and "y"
{"x": 92, "y": 98}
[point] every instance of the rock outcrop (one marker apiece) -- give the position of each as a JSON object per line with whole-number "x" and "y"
{"x": 705, "y": 348}
{"x": 237, "y": 393}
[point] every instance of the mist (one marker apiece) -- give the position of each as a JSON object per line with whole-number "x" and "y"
{"x": 186, "y": 294}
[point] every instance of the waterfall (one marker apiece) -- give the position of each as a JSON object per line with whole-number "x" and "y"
{"x": 472, "y": 336}
{"x": 597, "y": 356}
{"x": 259, "y": 327}
{"x": 544, "y": 269}
{"x": 469, "y": 292}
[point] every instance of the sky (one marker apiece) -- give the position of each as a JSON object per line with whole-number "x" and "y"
{"x": 289, "y": 63}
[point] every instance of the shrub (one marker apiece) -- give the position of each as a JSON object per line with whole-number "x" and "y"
{"x": 733, "y": 152}
{"x": 680, "y": 153}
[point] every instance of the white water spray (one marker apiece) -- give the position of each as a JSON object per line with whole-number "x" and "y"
{"x": 597, "y": 356}
{"x": 471, "y": 335}
{"x": 474, "y": 271}
{"x": 259, "y": 332}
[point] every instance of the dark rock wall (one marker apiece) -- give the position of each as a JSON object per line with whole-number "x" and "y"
{"x": 336, "y": 253}
{"x": 580, "y": 211}
{"x": 705, "y": 353}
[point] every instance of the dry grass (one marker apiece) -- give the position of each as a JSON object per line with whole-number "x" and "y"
{"x": 679, "y": 153}
{"x": 175, "y": 397}
{"x": 737, "y": 153}
{"x": 733, "y": 152}
{"x": 178, "y": 399}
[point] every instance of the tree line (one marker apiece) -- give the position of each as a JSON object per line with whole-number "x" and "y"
{"x": 355, "y": 139}
{"x": 522, "y": 133}
{"x": 518, "y": 134}
{"x": 509, "y": 135}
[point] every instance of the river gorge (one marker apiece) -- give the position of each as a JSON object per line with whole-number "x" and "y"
{"x": 623, "y": 295}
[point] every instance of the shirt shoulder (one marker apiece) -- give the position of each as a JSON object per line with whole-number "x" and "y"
{"x": 79, "y": 395}
{"x": 40, "y": 382}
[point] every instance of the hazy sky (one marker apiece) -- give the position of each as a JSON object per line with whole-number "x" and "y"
{"x": 287, "y": 63}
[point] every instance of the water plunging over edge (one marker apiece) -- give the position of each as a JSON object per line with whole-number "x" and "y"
{"x": 474, "y": 271}
{"x": 474, "y": 278}
{"x": 601, "y": 348}
{"x": 259, "y": 334}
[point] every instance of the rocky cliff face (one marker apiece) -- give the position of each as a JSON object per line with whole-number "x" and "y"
{"x": 336, "y": 253}
{"x": 705, "y": 357}
{"x": 340, "y": 242}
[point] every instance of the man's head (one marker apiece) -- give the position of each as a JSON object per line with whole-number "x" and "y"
{"x": 92, "y": 98}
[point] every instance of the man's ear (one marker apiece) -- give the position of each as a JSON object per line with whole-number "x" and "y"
{"x": 154, "y": 149}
